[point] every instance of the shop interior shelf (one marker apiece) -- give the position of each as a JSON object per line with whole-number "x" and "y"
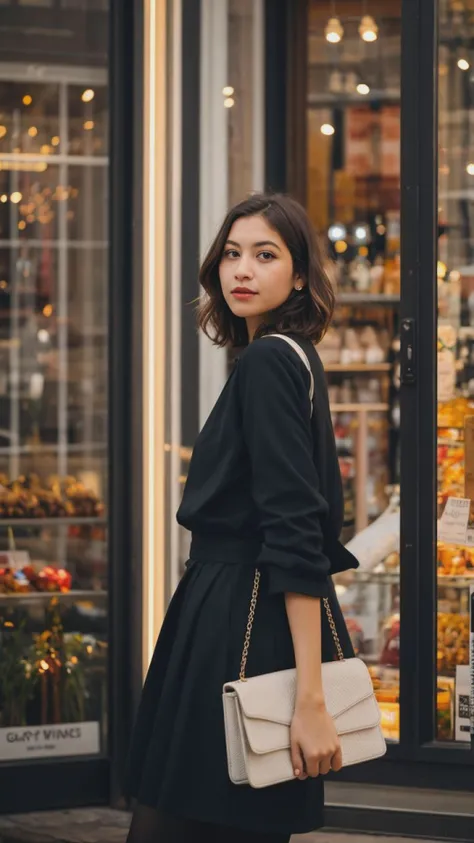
{"x": 320, "y": 100}
{"x": 393, "y": 578}
{"x": 360, "y": 408}
{"x": 357, "y": 367}
{"x": 52, "y": 522}
{"x": 35, "y": 596}
{"x": 367, "y": 298}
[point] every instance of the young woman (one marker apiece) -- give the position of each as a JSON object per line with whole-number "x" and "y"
{"x": 263, "y": 490}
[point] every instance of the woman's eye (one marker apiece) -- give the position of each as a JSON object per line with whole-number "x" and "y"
{"x": 231, "y": 253}
{"x": 267, "y": 256}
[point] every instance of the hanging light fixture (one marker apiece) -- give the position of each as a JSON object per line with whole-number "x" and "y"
{"x": 334, "y": 29}
{"x": 368, "y": 29}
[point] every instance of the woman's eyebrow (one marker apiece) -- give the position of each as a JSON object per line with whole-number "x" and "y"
{"x": 260, "y": 243}
{"x": 267, "y": 243}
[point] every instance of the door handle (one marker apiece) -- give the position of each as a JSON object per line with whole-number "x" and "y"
{"x": 408, "y": 351}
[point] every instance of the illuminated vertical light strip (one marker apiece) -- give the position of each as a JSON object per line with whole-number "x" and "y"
{"x": 258, "y": 113}
{"x": 174, "y": 286}
{"x": 213, "y": 175}
{"x": 154, "y": 308}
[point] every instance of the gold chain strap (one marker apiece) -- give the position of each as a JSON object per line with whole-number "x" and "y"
{"x": 251, "y": 617}
{"x": 253, "y": 603}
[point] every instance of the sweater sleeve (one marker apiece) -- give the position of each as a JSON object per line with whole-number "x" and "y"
{"x": 276, "y": 419}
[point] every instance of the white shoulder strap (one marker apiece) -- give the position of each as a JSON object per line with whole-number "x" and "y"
{"x": 302, "y": 355}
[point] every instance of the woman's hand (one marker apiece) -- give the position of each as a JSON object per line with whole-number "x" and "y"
{"x": 315, "y": 747}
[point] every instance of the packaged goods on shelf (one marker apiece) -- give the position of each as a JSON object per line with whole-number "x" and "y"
{"x": 453, "y": 641}
{"x": 34, "y": 577}
{"x": 30, "y": 497}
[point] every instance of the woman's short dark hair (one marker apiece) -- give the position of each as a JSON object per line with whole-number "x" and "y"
{"x": 307, "y": 313}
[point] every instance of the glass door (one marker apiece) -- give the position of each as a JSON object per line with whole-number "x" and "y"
{"x": 353, "y": 198}
{"x": 455, "y": 353}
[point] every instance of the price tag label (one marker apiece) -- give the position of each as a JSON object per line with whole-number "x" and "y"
{"x": 453, "y": 524}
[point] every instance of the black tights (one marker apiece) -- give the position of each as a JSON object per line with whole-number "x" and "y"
{"x": 152, "y": 826}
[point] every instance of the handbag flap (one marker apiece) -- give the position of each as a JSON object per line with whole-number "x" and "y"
{"x": 265, "y": 736}
{"x": 271, "y": 696}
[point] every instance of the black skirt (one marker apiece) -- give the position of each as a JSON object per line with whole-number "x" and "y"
{"x": 178, "y": 758}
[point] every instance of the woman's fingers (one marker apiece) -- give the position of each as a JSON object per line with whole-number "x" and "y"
{"x": 325, "y": 766}
{"x": 336, "y": 761}
{"x": 313, "y": 766}
{"x": 297, "y": 761}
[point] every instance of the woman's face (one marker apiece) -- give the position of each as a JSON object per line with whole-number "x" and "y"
{"x": 256, "y": 270}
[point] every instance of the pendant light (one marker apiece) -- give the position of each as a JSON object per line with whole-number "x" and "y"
{"x": 368, "y": 29}
{"x": 334, "y": 30}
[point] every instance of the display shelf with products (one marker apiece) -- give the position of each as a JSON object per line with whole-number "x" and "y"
{"x": 54, "y": 428}
{"x": 58, "y": 521}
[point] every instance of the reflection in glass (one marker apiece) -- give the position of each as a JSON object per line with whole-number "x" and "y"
{"x": 455, "y": 285}
{"x": 353, "y": 197}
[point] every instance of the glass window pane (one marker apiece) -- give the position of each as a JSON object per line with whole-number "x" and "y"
{"x": 353, "y": 197}
{"x": 29, "y": 120}
{"x": 54, "y": 398}
{"x": 455, "y": 285}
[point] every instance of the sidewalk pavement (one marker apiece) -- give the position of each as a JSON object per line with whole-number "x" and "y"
{"x": 104, "y": 825}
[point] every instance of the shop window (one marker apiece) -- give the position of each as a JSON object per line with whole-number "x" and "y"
{"x": 455, "y": 443}
{"x": 53, "y": 408}
{"x": 353, "y": 198}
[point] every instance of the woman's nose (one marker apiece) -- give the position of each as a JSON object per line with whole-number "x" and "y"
{"x": 243, "y": 269}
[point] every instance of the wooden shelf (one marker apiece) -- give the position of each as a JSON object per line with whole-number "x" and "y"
{"x": 52, "y": 522}
{"x": 357, "y": 367}
{"x": 366, "y": 299}
{"x": 360, "y": 408}
{"x": 50, "y": 595}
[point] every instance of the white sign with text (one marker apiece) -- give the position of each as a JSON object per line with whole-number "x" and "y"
{"x": 56, "y": 740}
{"x": 453, "y": 524}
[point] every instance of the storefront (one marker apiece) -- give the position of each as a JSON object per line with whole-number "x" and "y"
{"x": 84, "y": 238}
{"x": 124, "y": 137}
{"x": 363, "y": 111}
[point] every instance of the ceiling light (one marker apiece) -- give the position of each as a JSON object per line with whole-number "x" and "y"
{"x": 363, "y": 89}
{"x": 229, "y": 102}
{"x": 88, "y": 95}
{"x": 228, "y": 91}
{"x": 334, "y": 31}
{"x": 470, "y": 169}
{"x": 361, "y": 233}
{"x": 16, "y": 197}
{"x": 337, "y": 231}
{"x": 340, "y": 247}
{"x": 327, "y": 129}
{"x": 368, "y": 29}
{"x": 27, "y": 99}
{"x": 463, "y": 64}
{"x": 55, "y": 141}
{"x": 89, "y": 125}
{"x": 32, "y": 131}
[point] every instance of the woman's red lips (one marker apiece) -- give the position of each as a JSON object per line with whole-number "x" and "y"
{"x": 244, "y": 291}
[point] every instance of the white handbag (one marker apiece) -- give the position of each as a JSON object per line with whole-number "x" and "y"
{"x": 258, "y": 711}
